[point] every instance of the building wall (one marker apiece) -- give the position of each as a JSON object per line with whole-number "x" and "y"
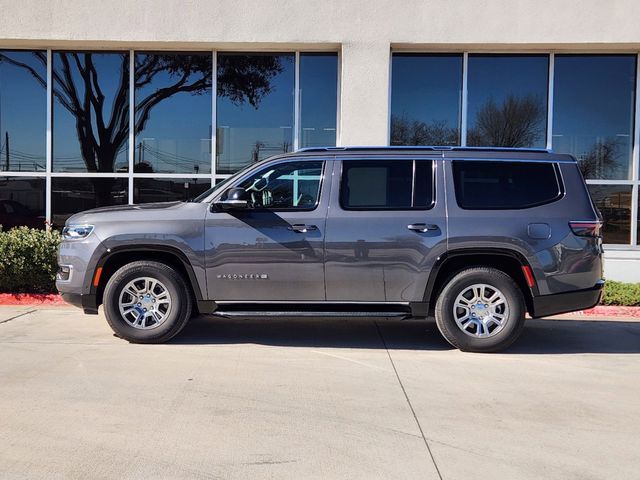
{"x": 364, "y": 32}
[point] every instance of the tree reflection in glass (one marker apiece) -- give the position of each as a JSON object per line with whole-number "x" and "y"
{"x": 593, "y": 112}
{"x": 23, "y": 110}
{"x": 507, "y": 100}
{"x": 173, "y": 112}
{"x": 254, "y": 108}
{"x": 426, "y": 99}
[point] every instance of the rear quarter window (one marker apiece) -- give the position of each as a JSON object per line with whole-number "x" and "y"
{"x": 498, "y": 185}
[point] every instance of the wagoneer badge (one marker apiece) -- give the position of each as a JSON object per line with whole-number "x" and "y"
{"x": 243, "y": 276}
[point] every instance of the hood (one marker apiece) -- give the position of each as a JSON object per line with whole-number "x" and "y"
{"x": 125, "y": 208}
{"x": 90, "y": 216}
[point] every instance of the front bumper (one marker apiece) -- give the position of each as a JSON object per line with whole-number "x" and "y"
{"x": 85, "y": 302}
{"x": 546, "y": 305}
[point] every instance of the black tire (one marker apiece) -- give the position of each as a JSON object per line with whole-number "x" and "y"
{"x": 177, "y": 317}
{"x": 513, "y": 322}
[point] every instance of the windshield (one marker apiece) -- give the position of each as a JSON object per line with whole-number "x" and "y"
{"x": 223, "y": 183}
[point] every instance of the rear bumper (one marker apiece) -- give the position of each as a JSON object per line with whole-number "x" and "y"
{"x": 85, "y": 302}
{"x": 545, "y": 305}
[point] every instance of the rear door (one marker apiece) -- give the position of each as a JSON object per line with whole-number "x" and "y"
{"x": 386, "y": 227}
{"x": 273, "y": 250}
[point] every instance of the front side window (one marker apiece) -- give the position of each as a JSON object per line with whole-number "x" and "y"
{"x": 386, "y": 184}
{"x": 285, "y": 186}
{"x": 495, "y": 185}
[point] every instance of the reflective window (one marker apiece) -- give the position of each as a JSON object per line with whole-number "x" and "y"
{"x": 22, "y": 202}
{"x": 614, "y": 203}
{"x": 90, "y": 112}
{"x": 507, "y": 100}
{"x": 386, "y": 184}
{"x": 504, "y": 185}
{"x": 23, "y": 110}
{"x": 593, "y": 109}
{"x": 425, "y": 99}
{"x": 318, "y": 99}
{"x": 73, "y": 195}
{"x": 285, "y": 186}
{"x": 173, "y": 112}
{"x": 147, "y": 190}
{"x": 254, "y": 108}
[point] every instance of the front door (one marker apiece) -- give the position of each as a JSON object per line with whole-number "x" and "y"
{"x": 274, "y": 249}
{"x": 385, "y": 230}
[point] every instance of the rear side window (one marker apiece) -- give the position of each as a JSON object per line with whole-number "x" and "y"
{"x": 492, "y": 185}
{"x": 386, "y": 185}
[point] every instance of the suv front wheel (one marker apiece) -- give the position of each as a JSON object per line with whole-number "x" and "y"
{"x": 480, "y": 310}
{"x": 147, "y": 302}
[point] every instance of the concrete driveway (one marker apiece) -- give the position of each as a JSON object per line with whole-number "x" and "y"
{"x": 306, "y": 399}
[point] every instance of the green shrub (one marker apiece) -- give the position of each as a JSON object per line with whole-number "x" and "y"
{"x": 28, "y": 261}
{"x": 619, "y": 293}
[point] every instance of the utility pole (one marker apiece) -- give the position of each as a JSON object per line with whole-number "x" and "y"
{"x": 6, "y": 146}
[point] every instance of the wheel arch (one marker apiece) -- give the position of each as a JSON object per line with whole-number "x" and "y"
{"x": 452, "y": 262}
{"x": 117, "y": 257}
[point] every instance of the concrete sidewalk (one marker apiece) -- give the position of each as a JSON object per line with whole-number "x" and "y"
{"x": 315, "y": 399}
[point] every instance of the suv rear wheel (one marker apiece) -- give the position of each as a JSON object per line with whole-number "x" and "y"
{"x": 147, "y": 302}
{"x": 480, "y": 310}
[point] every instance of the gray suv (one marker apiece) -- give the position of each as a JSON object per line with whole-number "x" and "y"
{"x": 475, "y": 237}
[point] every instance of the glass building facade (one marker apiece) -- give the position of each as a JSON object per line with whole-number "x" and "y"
{"x": 84, "y": 129}
{"x": 580, "y": 104}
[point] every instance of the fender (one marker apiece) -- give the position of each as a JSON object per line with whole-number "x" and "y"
{"x": 423, "y": 308}
{"x": 203, "y": 305}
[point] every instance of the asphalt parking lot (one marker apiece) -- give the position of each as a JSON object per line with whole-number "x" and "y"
{"x": 315, "y": 399}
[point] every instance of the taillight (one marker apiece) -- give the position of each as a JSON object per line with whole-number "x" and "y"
{"x": 589, "y": 228}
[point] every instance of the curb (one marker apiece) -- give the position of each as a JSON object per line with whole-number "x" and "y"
{"x": 55, "y": 300}
{"x": 610, "y": 311}
{"x": 31, "y": 299}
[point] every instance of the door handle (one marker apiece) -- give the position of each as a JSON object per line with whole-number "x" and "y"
{"x": 301, "y": 228}
{"x": 421, "y": 227}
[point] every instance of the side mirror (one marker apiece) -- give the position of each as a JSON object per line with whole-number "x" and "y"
{"x": 234, "y": 198}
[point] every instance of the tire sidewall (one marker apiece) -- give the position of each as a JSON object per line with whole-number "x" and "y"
{"x": 169, "y": 278}
{"x": 454, "y": 334}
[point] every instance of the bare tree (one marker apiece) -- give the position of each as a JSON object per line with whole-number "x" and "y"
{"x": 103, "y": 129}
{"x": 414, "y": 132}
{"x": 600, "y": 160}
{"x": 517, "y": 122}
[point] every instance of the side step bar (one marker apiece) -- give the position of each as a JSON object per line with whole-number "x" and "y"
{"x": 307, "y": 313}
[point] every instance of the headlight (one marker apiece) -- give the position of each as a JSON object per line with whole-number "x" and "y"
{"x": 76, "y": 232}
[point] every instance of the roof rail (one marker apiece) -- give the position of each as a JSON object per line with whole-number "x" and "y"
{"x": 422, "y": 147}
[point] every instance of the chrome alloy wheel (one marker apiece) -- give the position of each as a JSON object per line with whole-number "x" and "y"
{"x": 144, "y": 303}
{"x": 481, "y": 310}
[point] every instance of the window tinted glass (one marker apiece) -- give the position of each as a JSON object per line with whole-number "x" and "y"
{"x": 22, "y": 202}
{"x": 254, "y": 108}
{"x": 507, "y": 100}
{"x": 504, "y": 185}
{"x": 425, "y": 99}
{"x": 318, "y": 99}
{"x": 73, "y": 195}
{"x": 386, "y": 184}
{"x": 148, "y": 190}
{"x": 286, "y": 186}
{"x": 173, "y": 113}
{"x": 593, "y": 109}
{"x": 23, "y": 110}
{"x": 90, "y": 112}
{"x": 614, "y": 203}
